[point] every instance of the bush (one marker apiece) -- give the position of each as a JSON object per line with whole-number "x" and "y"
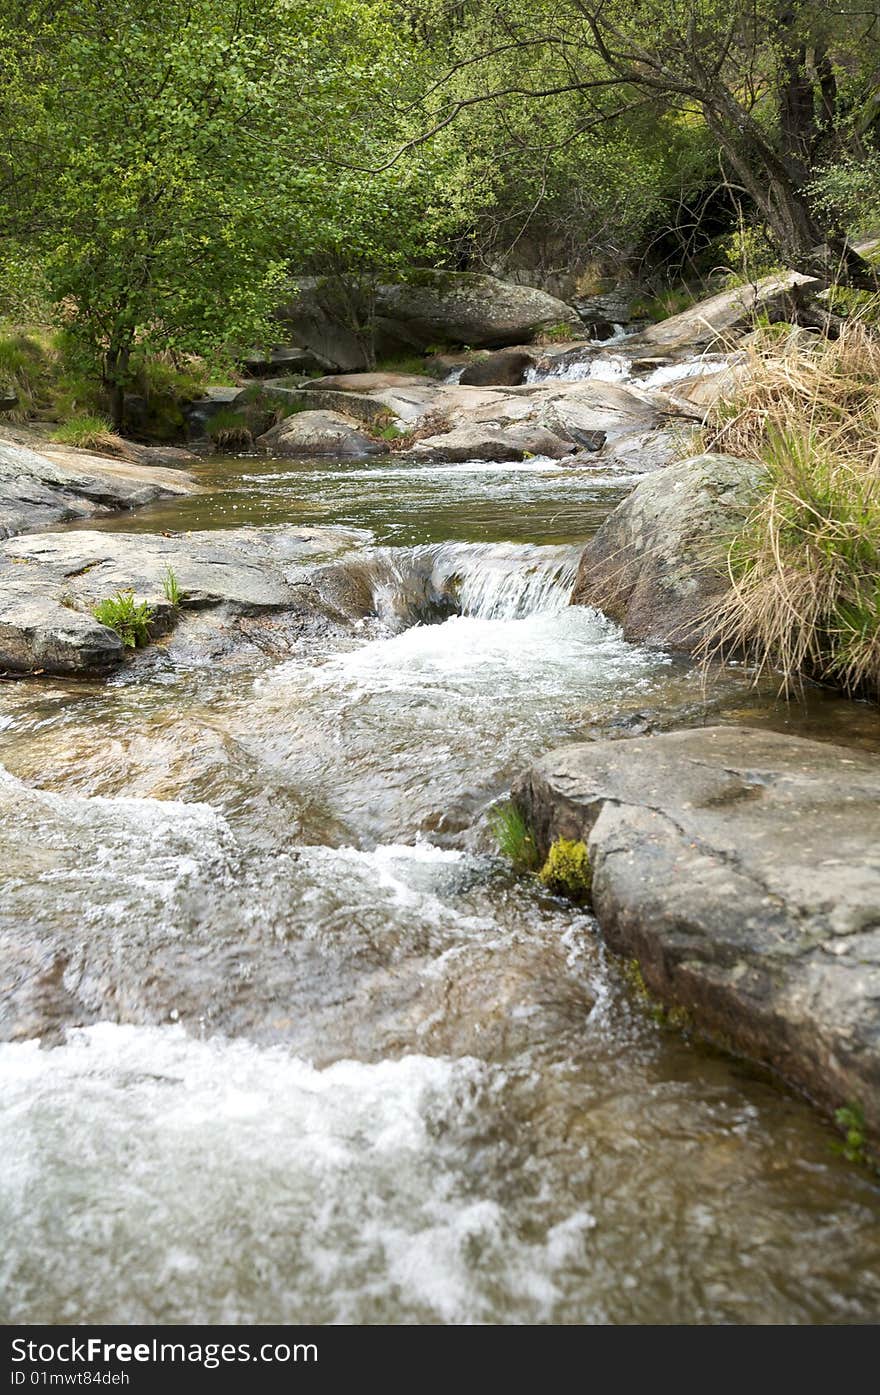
{"x": 89, "y": 432}
{"x": 805, "y": 567}
{"x": 567, "y": 870}
{"x": 130, "y": 619}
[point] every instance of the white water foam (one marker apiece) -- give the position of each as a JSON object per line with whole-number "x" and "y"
{"x": 210, "y": 1181}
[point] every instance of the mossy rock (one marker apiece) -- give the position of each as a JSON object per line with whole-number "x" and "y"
{"x": 567, "y": 870}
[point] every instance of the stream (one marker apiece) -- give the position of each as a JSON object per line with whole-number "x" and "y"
{"x": 342, "y": 1065}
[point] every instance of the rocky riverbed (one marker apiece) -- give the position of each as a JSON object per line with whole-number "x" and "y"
{"x": 260, "y": 956}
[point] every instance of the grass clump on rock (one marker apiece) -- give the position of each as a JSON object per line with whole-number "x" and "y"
{"x": 514, "y": 837}
{"x": 88, "y": 431}
{"x": 567, "y": 870}
{"x": 230, "y": 430}
{"x": 171, "y": 588}
{"x": 805, "y": 567}
{"x": 130, "y": 619}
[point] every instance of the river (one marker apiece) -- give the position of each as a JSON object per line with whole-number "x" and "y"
{"x": 342, "y": 1065}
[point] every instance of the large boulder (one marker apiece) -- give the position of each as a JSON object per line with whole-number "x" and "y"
{"x": 657, "y": 564}
{"x": 724, "y": 313}
{"x": 477, "y": 442}
{"x": 741, "y": 869}
{"x": 430, "y": 307}
{"x": 462, "y": 307}
{"x": 506, "y": 368}
{"x": 318, "y": 433}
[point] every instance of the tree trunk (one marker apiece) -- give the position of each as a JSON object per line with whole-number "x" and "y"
{"x": 116, "y": 362}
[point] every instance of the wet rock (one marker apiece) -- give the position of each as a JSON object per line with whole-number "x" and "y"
{"x": 199, "y": 414}
{"x": 641, "y": 451}
{"x": 50, "y": 582}
{"x": 366, "y": 382}
{"x": 171, "y": 457}
{"x": 590, "y": 441}
{"x": 40, "y": 488}
{"x": 657, "y": 563}
{"x": 507, "y": 368}
{"x": 476, "y": 442}
{"x": 286, "y": 358}
{"x": 607, "y": 305}
{"x": 318, "y": 433}
{"x": 595, "y": 406}
{"x": 741, "y": 869}
{"x": 725, "y": 312}
{"x": 431, "y": 307}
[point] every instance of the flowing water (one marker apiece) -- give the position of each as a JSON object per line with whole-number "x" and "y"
{"x": 309, "y": 1051}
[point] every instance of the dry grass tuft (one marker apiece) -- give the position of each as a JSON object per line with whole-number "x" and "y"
{"x": 805, "y": 569}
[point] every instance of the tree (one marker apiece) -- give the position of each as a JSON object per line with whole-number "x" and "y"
{"x": 776, "y": 82}
{"x": 167, "y": 161}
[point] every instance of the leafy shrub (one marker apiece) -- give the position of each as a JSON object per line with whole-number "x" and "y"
{"x": 130, "y": 619}
{"x": 514, "y": 837}
{"x": 567, "y": 870}
{"x": 89, "y": 432}
{"x": 28, "y": 358}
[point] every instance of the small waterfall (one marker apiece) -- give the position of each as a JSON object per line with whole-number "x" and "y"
{"x": 488, "y": 581}
{"x": 575, "y": 368}
{"x": 500, "y": 586}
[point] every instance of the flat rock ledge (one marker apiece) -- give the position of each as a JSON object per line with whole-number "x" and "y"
{"x": 741, "y": 869}
{"x": 42, "y": 488}
{"x": 50, "y": 582}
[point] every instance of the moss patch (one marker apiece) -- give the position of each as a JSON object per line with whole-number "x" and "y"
{"x": 567, "y": 870}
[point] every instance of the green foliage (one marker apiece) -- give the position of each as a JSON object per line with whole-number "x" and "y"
{"x": 559, "y": 334}
{"x": 514, "y": 837}
{"x": 850, "y": 1119}
{"x": 28, "y": 360}
{"x": 671, "y": 301}
{"x": 182, "y": 162}
{"x": 171, "y": 588}
{"x": 388, "y": 432}
{"x": 89, "y": 432}
{"x": 413, "y": 364}
{"x": 567, "y": 870}
{"x": 747, "y": 255}
{"x": 849, "y": 192}
{"x": 130, "y": 619}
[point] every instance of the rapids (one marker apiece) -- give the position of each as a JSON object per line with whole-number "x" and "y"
{"x": 295, "y": 1046}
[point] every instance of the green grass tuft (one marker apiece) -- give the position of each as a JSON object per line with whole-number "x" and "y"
{"x": 89, "y": 432}
{"x": 850, "y": 1119}
{"x": 514, "y": 837}
{"x": 171, "y": 588}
